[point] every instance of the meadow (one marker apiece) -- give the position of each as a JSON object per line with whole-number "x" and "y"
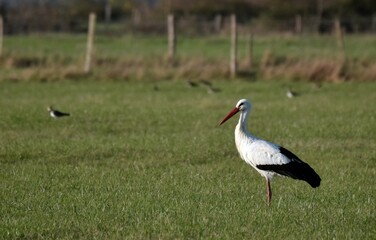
{"x": 135, "y": 162}
{"x": 53, "y": 57}
{"x": 142, "y": 155}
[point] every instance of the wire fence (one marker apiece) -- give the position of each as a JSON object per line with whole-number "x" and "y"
{"x": 268, "y": 59}
{"x": 189, "y": 25}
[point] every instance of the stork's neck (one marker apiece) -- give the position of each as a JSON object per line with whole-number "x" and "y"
{"x": 242, "y": 125}
{"x": 243, "y": 119}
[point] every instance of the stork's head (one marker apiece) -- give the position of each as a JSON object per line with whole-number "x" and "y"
{"x": 50, "y": 109}
{"x": 242, "y": 106}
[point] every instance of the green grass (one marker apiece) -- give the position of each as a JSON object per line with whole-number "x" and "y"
{"x": 53, "y": 57}
{"x": 210, "y": 47}
{"x": 136, "y": 163}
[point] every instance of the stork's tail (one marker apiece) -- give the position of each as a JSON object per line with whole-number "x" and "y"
{"x": 296, "y": 169}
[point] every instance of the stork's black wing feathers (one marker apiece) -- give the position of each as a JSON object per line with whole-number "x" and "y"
{"x": 296, "y": 169}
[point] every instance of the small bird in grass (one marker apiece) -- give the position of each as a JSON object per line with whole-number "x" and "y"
{"x": 291, "y": 94}
{"x": 317, "y": 85}
{"x": 212, "y": 90}
{"x": 267, "y": 158}
{"x": 207, "y": 83}
{"x": 56, "y": 113}
{"x": 209, "y": 86}
{"x": 191, "y": 83}
{"x": 156, "y": 88}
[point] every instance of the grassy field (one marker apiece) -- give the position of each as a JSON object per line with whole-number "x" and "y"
{"x": 211, "y": 47}
{"x": 131, "y": 162}
{"x": 49, "y": 57}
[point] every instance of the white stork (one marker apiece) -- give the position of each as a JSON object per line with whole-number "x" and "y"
{"x": 268, "y": 158}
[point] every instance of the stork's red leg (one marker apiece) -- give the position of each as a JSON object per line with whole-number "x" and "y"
{"x": 269, "y": 189}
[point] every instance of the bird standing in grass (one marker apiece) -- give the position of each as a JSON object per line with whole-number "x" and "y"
{"x": 290, "y": 93}
{"x": 56, "y": 113}
{"x": 191, "y": 83}
{"x": 209, "y": 86}
{"x": 267, "y": 158}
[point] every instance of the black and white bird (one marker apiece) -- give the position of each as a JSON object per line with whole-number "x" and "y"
{"x": 291, "y": 94}
{"x": 55, "y": 113}
{"x": 267, "y": 158}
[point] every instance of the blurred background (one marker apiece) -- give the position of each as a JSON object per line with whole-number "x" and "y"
{"x": 317, "y": 40}
{"x": 194, "y": 17}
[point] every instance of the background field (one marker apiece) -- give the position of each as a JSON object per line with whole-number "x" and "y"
{"x": 138, "y": 163}
{"x": 52, "y": 57}
{"x": 142, "y": 155}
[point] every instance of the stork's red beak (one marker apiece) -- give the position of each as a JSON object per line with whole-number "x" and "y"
{"x": 229, "y": 115}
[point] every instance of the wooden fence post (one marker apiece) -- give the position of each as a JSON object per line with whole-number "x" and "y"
{"x": 298, "y": 24}
{"x": 1, "y": 35}
{"x": 320, "y": 9}
{"x": 171, "y": 37}
{"x": 90, "y": 43}
{"x": 374, "y": 22}
{"x": 107, "y": 11}
{"x": 234, "y": 42}
{"x": 339, "y": 33}
{"x": 250, "y": 51}
{"x": 136, "y": 16}
{"x": 218, "y": 23}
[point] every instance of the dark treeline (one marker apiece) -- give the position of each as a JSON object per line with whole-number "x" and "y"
{"x": 70, "y": 15}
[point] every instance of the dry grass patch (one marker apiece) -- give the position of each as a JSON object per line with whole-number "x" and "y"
{"x": 271, "y": 66}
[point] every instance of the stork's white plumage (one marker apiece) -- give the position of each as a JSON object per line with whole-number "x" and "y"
{"x": 267, "y": 158}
